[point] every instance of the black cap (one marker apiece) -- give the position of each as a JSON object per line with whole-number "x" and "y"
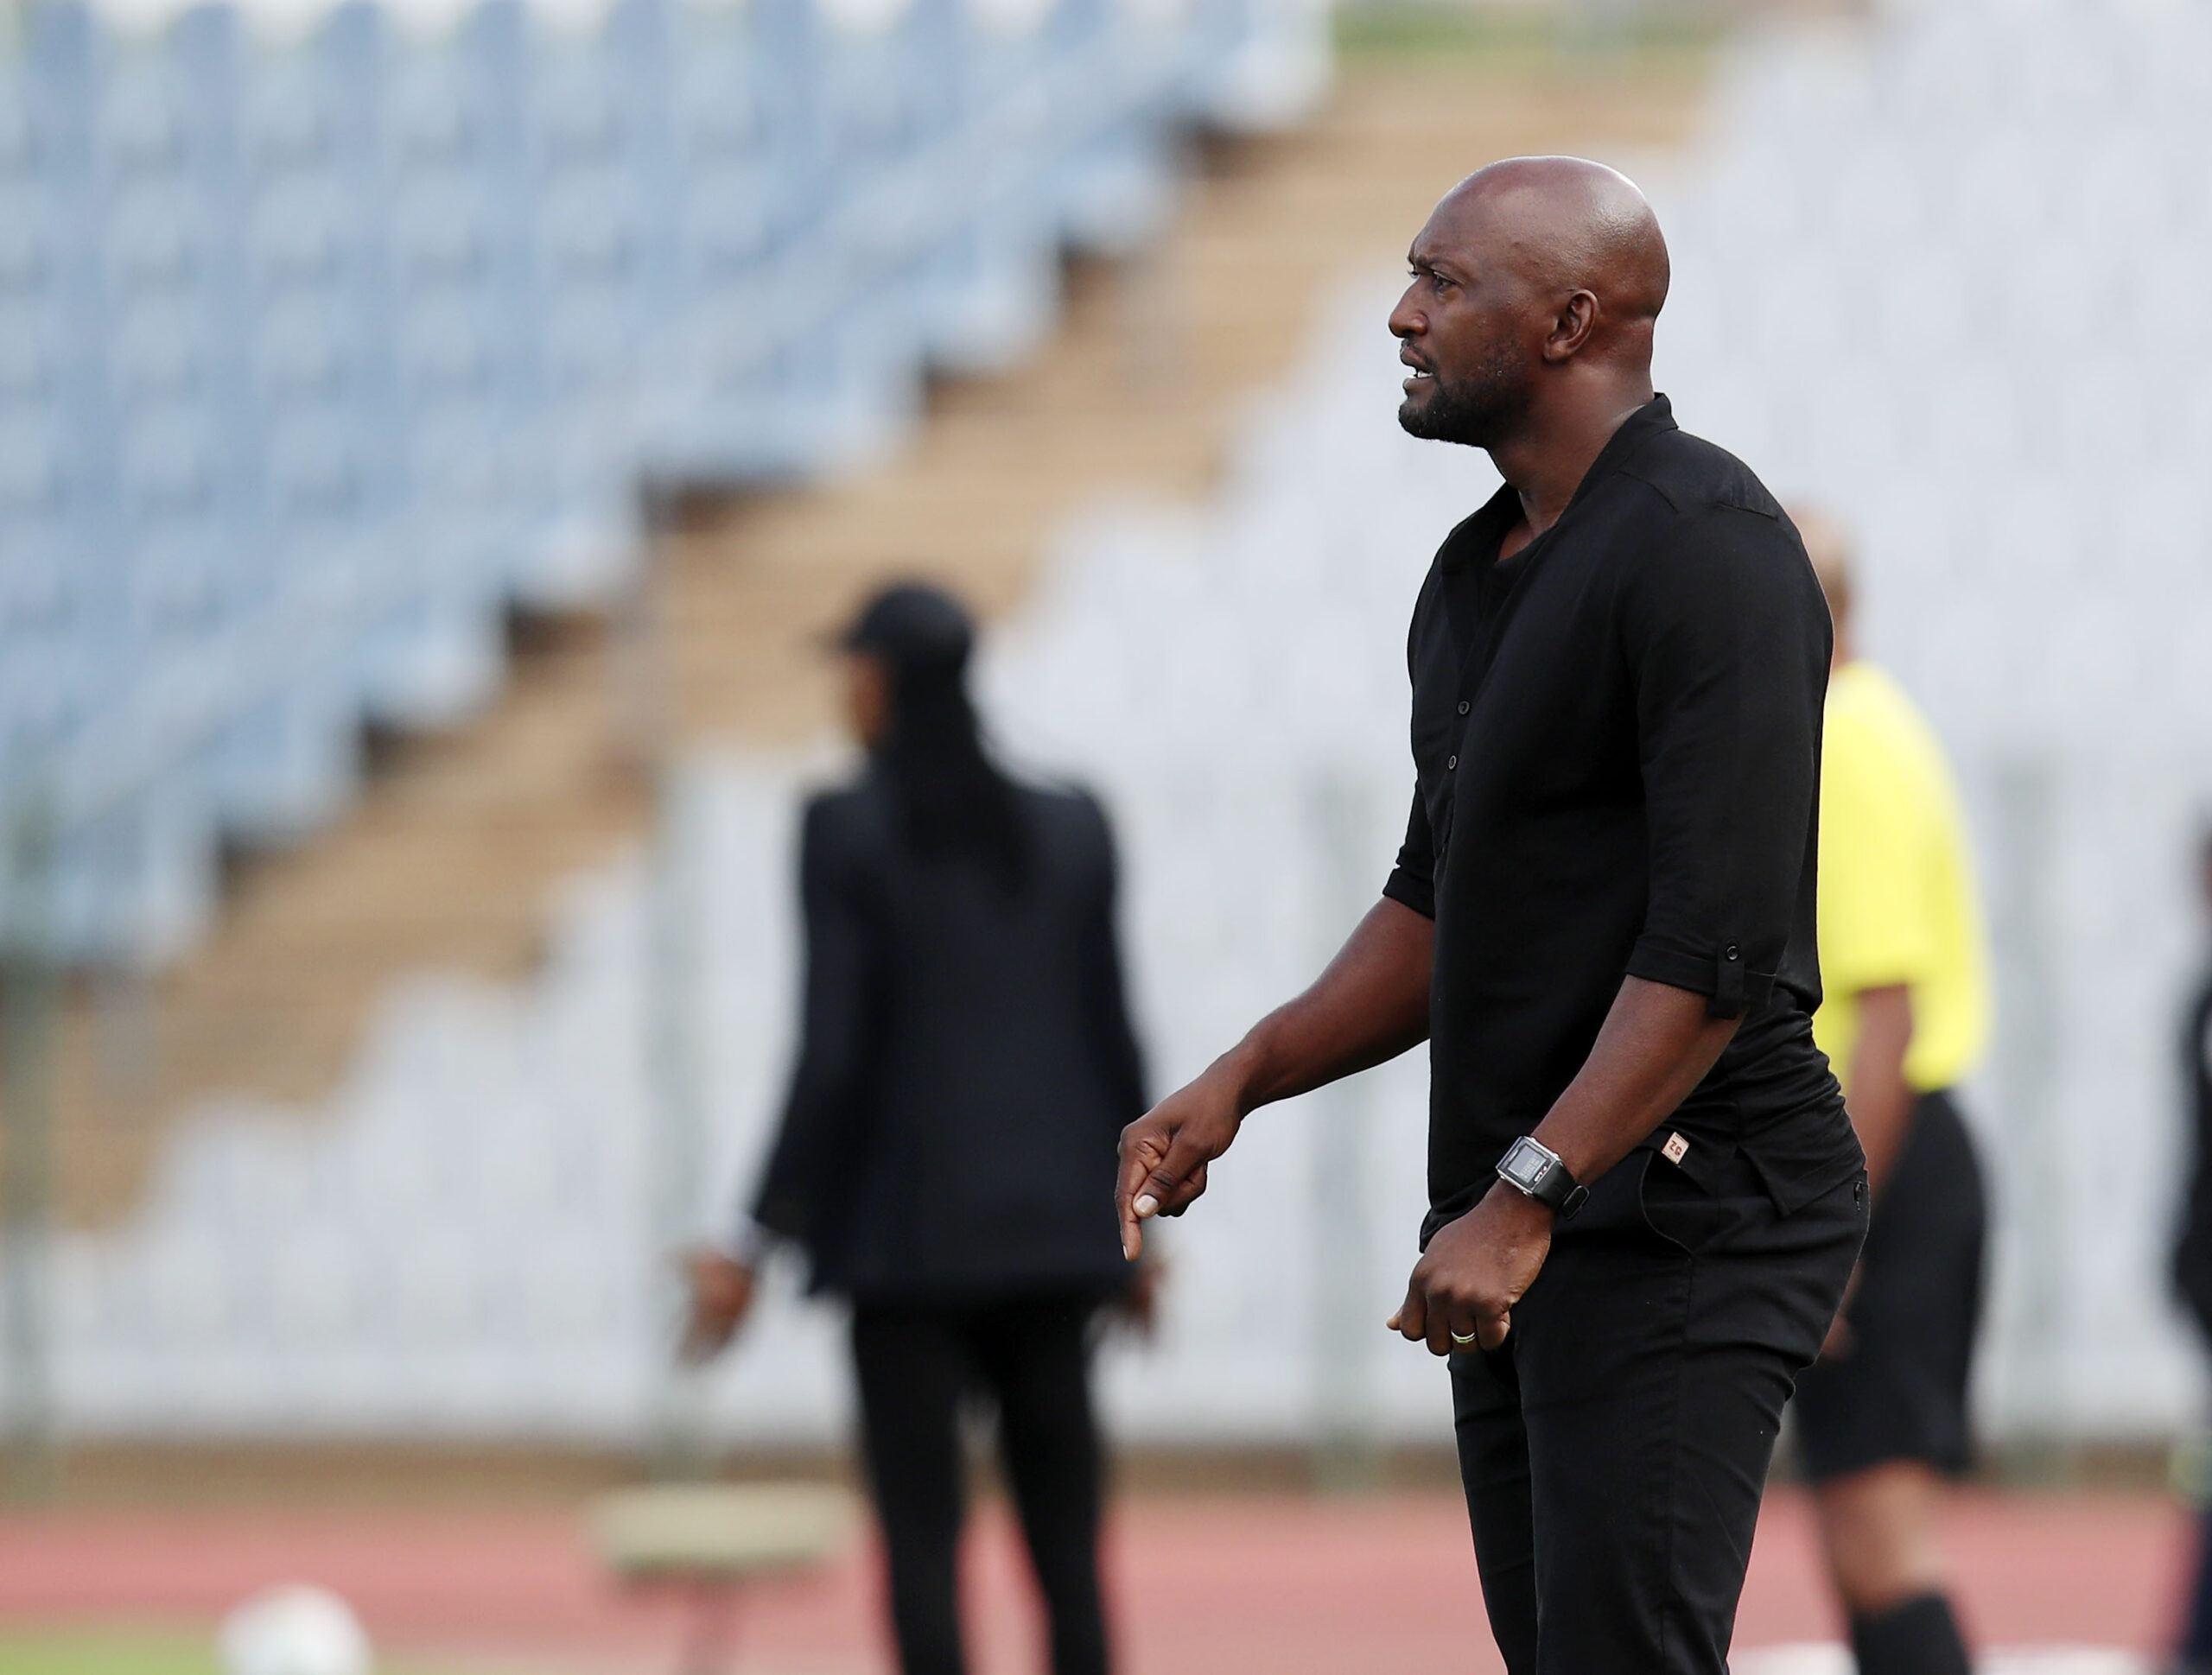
{"x": 910, "y": 623}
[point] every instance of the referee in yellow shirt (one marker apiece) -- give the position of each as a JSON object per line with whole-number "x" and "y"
{"x": 1881, "y": 1416}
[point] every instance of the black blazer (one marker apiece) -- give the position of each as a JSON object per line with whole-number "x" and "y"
{"x": 2192, "y": 1260}
{"x": 967, "y": 1063}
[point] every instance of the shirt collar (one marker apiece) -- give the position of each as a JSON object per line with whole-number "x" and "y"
{"x": 1482, "y": 533}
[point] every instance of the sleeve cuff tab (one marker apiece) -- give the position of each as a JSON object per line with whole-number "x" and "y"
{"x": 1727, "y": 999}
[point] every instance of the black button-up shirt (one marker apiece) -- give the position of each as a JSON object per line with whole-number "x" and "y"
{"x": 1616, "y": 740}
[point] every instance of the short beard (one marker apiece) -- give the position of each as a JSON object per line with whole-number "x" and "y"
{"x": 1477, "y": 413}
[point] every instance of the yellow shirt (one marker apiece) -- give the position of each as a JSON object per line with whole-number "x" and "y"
{"x": 1898, "y": 903}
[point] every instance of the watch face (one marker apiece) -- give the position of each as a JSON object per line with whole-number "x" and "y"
{"x": 1526, "y": 1165}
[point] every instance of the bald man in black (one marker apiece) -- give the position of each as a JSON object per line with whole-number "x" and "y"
{"x": 1645, "y": 1197}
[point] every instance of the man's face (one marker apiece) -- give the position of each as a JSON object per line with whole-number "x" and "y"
{"x": 1463, "y": 325}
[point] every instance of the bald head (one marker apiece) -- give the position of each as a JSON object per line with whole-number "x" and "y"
{"x": 1565, "y": 225}
{"x": 1828, "y": 545}
{"x": 1829, "y": 549}
{"x": 1536, "y": 284}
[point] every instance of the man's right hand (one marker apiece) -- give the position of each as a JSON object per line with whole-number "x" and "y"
{"x": 1165, "y": 1153}
{"x": 721, "y": 1296}
{"x": 1370, "y": 1004}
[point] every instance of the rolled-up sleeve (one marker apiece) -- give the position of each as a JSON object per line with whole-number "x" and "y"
{"x": 1413, "y": 880}
{"x": 1727, "y": 641}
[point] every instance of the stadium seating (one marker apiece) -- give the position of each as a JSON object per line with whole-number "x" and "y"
{"x": 1937, "y": 272}
{"x": 317, "y": 355}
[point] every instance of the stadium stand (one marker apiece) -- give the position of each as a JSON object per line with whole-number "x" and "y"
{"x": 446, "y": 1232}
{"x": 1911, "y": 281}
{"x": 1925, "y": 278}
{"x": 317, "y": 357}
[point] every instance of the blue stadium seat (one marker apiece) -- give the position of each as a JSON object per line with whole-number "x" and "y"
{"x": 317, "y": 355}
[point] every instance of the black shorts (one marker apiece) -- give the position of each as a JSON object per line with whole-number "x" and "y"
{"x": 1899, "y": 1391}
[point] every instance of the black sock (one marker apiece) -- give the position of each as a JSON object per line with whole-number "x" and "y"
{"x": 1919, "y": 1637}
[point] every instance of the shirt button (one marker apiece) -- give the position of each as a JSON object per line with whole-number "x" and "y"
{"x": 1464, "y": 706}
{"x": 1450, "y": 762}
{"x": 1730, "y": 952}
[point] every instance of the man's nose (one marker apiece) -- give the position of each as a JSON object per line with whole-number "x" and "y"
{"x": 1405, "y": 319}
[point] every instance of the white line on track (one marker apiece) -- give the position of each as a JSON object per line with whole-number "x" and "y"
{"x": 1829, "y": 1659}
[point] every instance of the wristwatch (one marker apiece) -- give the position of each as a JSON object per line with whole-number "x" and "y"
{"x": 1529, "y": 1166}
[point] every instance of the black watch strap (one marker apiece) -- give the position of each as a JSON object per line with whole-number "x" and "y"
{"x": 1563, "y": 1193}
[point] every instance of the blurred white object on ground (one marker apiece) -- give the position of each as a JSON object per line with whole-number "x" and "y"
{"x": 721, "y": 1531}
{"x": 295, "y": 1630}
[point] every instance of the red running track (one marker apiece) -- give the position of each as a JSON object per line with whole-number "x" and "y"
{"x": 1217, "y": 1585}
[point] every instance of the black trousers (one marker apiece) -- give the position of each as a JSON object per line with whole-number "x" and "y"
{"x": 916, "y": 1363}
{"x": 1615, "y": 1448}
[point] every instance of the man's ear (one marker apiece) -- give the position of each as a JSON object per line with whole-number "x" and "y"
{"x": 1571, "y": 327}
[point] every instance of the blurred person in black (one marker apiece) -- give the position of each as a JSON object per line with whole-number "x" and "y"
{"x": 947, "y": 1154}
{"x": 2192, "y": 1265}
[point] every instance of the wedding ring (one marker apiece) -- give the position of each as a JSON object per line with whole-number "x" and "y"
{"x": 1462, "y": 1341}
